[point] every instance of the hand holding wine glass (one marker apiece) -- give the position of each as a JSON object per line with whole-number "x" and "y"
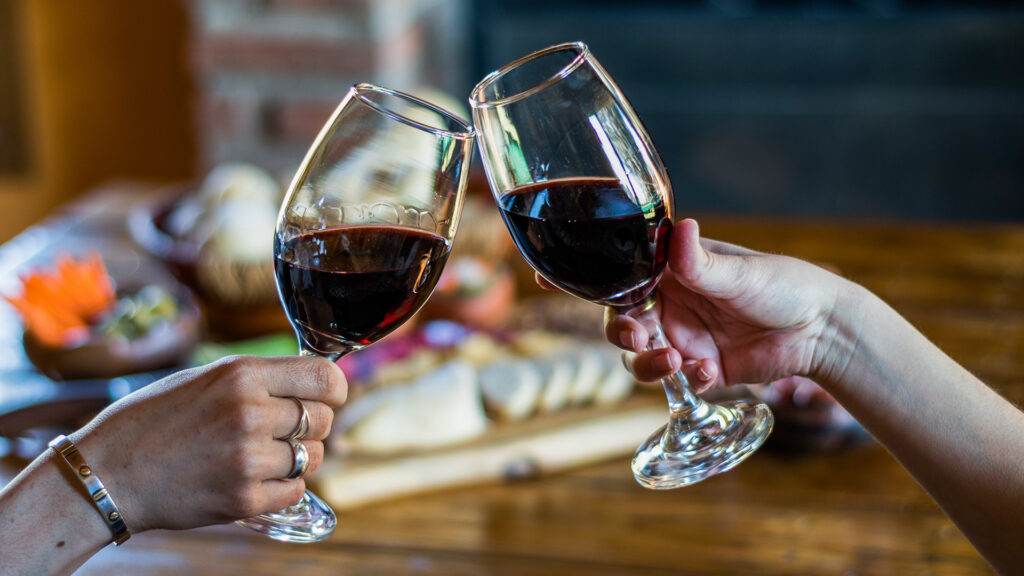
{"x": 362, "y": 237}
{"x": 588, "y": 202}
{"x": 738, "y": 311}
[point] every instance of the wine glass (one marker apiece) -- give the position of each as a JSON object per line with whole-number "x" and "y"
{"x": 588, "y": 203}
{"x": 362, "y": 236}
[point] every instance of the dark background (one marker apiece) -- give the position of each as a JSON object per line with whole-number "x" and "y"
{"x": 871, "y": 109}
{"x": 867, "y": 109}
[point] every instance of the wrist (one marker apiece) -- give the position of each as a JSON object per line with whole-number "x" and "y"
{"x": 49, "y": 527}
{"x": 83, "y": 520}
{"x": 112, "y": 458}
{"x": 840, "y": 340}
{"x": 85, "y": 479}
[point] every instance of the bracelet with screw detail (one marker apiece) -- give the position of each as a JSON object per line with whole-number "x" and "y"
{"x": 97, "y": 492}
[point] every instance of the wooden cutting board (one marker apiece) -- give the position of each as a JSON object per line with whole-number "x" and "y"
{"x": 542, "y": 445}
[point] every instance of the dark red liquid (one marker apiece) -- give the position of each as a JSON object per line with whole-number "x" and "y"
{"x": 347, "y": 287}
{"x": 590, "y": 237}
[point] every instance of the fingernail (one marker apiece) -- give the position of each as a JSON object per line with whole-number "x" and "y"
{"x": 662, "y": 362}
{"x": 627, "y": 339}
{"x": 627, "y": 361}
{"x": 703, "y": 374}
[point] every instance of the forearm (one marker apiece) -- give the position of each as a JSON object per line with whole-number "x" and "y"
{"x": 46, "y": 525}
{"x": 961, "y": 441}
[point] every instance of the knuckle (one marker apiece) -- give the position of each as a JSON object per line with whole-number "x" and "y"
{"x": 295, "y": 490}
{"x": 243, "y": 461}
{"x": 286, "y": 494}
{"x": 321, "y": 376}
{"x": 244, "y": 502}
{"x": 341, "y": 391}
{"x": 239, "y": 372}
{"x": 328, "y": 381}
{"x": 644, "y": 370}
{"x": 328, "y": 421}
{"x": 247, "y": 419}
{"x": 321, "y": 419}
{"x": 316, "y": 456}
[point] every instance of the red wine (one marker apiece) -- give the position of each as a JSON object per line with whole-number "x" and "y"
{"x": 590, "y": 237}
{"x": 347, "y": 287}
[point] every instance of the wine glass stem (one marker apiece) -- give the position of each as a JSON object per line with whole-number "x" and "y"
{"x": 681, "y": 399}
{"x": 684, "y": 406}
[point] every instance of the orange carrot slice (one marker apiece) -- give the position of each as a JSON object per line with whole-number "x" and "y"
{"x": 58, "y": 306}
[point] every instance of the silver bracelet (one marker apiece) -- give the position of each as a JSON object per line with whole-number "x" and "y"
{"x": 97, "y": 493}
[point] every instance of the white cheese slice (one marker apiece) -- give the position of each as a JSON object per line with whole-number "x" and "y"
{"x": 617, "y": 383}
{"x": 437, "y": 409}
{"x": 510, "y": 387}
{"x": 557, "y": 376}
{"x": 589, "y": 371}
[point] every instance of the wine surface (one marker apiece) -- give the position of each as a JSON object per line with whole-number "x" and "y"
{"x": 590, "y": 237}
{"x": 344, "y": 288}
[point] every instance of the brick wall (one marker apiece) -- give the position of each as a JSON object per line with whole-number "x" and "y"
{"x": 269, "y": 72}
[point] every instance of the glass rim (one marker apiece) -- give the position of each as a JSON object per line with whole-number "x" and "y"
{"x": 582, "y": 54}
{"x": 361, "y": 90}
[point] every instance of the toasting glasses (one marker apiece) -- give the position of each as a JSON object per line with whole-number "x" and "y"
{"x": 588, "y": 202}
{"x": 362, "y": 236}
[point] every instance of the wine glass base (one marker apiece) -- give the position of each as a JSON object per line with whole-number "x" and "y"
{"x": 698, "y": 450}
{"x": 311, "y": 520}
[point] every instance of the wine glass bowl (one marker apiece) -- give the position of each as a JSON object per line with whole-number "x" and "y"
{"x": 362, "y": 236}
{"x": 588, "y": 202}
{"x": 368, "y": 222}
{"x": 348, "y": 286}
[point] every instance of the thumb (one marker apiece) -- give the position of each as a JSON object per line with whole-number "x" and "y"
{"x": 705, "y": 266}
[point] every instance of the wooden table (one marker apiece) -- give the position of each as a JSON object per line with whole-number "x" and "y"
{"x": 851, "y": 512}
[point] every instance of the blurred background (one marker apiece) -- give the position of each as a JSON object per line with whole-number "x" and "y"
{"x": 894, "y": 109}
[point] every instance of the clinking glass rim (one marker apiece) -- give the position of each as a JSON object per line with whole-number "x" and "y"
{"x": 582, "y": 54}
{"x": 360, "y": 91}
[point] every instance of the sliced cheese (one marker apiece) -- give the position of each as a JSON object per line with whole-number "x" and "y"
{"x": 589, "y": 372}
{"x": 511, "y": 388}
{"x": 437, "y": 409}
{"x": 557, "y": 376}
{"x": 617, "y": 383}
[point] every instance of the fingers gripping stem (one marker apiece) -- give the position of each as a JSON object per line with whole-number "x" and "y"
{"x": 683, "y": 403}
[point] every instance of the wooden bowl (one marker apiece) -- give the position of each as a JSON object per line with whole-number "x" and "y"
{"x": 102, "y": 356}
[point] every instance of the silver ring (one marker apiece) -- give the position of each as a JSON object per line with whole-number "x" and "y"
{"x": 300, "y": 459}
{"x": 302, "y": 427}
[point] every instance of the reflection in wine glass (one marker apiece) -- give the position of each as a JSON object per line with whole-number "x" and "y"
{"x": 588, "y": 202}
{"x": 362, "y": 237}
